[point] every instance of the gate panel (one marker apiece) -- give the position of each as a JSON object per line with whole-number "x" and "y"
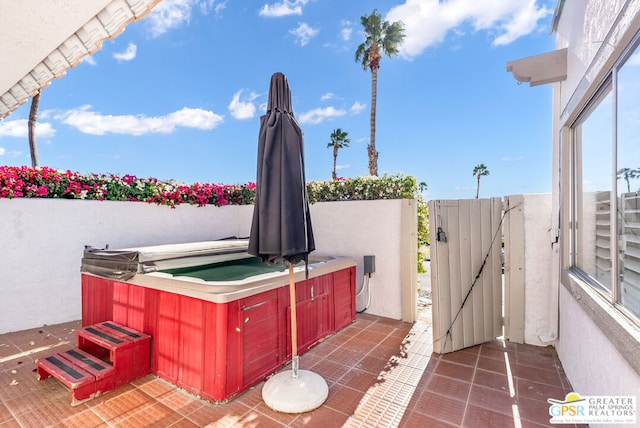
{"x": 466, "y": 275}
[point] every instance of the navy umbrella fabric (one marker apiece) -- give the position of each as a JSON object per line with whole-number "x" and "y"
{"x": 281, "y": 229}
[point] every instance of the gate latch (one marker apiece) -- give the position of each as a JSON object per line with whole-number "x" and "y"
{"x": 440, "y": 235}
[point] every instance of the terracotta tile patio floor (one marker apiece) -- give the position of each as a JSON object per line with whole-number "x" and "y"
{"x": 380, "y": 372}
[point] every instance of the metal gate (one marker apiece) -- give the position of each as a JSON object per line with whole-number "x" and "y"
{"x": 466, "y": 272}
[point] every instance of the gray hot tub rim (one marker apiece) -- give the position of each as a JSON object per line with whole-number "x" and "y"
{"x": 124, "y": 264}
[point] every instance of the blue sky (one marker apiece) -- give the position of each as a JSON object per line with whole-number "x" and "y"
{"x": 178, "y": 95}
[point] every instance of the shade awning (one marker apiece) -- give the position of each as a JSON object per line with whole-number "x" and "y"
{"x": 41, "y": 40}
{"x": 540, "y": 69}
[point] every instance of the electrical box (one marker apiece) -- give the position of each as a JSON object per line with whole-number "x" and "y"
{"x": 369, "y": 264}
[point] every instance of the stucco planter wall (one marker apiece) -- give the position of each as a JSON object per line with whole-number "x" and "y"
{"x": 43, "y": 242}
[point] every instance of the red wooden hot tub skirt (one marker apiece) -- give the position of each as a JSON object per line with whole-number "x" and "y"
{"x": 217, "y": 350}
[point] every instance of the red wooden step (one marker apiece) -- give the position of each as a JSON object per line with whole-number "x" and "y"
{"x": 127, "y": 349}
{"x": 85, "y": 375}
{"x": 140, "y": 351}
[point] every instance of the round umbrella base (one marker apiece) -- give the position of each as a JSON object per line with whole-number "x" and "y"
{"x": 284, "y": 393}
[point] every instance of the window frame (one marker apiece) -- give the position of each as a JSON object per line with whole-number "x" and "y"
{"x": 576, "y": 253}
{"x": 574, "y": 274}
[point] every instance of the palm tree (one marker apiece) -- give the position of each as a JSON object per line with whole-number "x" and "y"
{"x": 339, "y": 140}
{"x": 480, "y": 170}
{"x": 381, "y": 36}
{"x": 33, "y": 118}
{"x": 627, "y": 174}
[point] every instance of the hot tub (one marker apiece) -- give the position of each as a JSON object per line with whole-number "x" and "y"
{"x": 219, "y": 318}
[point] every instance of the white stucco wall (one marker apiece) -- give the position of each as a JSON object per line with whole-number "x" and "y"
{"x": 592, "y": 364}
{"x": 369, "y": 228}
{"x": 537, "y": 267}
{"x": 531, "y": 288}
{"x": 43, "y": 242}
{"x": 583, "y": 28}
{"x": 596, "y": 32}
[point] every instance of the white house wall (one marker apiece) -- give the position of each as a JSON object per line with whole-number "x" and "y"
{"x": 537, "y": 267}
{"x": 43, "y": 242}
{"x": 583, "y": 28}
{"x": 592, "y": 364}
{"x": 595, "y": 32}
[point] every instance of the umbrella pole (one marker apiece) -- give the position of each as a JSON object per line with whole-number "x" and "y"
{"x": 294, "y": 323}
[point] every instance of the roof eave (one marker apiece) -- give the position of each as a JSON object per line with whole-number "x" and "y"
{"x": 88, "y": 39}
{"x": 540, "y": 69}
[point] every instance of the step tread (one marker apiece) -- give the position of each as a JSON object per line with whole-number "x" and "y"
{"x": 89, "y": 363}
{"x": 112, "y": 335}
{"x": 103, "y": 337}
{"x": 124, "y": 332}
{"x": 69, "y": 374}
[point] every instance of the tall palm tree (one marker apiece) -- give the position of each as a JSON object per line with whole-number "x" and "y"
{"x": 480, "y": 170}
{"x": 339, "y": 140}
{"x": 33, "y": 118}
{"x": 385, "y": 37}
{"x": 627, "y": 174}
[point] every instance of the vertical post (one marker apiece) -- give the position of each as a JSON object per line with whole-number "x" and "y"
{"x": 220, "y": 359}
{"x": 294, "y": 328}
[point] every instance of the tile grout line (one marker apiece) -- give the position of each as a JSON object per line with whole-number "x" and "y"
{"x": 399, "y": 381}
{"x": 370, "y": 351}
{"x": 471, "y": 383}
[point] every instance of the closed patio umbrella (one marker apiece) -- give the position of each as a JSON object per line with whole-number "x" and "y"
{"x": 281, "y": 233}
{"x": 281, "y": 228}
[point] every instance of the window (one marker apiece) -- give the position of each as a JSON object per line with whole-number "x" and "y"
{"x": 628, "y": 182}
{"x": 592, "y": 140}
{"x": 605, "y": 186}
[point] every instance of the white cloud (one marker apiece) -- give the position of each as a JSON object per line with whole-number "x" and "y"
{"x": 20, "y": 128}
{"x": 45, "y": 114}
{"x": 220, "y": 7}
{"x": 427, "y": 22}
{"x": 194, "y": 118}
{"x": 346, "y": 31}
{"x": 169, "y": 15}
{"x": 327, "y": 96}
{"x": 357, "y": 107}
{"x": 304, "y": 33}
{"x": 172, "y": 14}
{"x": 243, "y": 109}
{"x": 89, "y": 59}
{"x": 523, "y": 22}
{"x": 319, "y": 115}
{"x": 13, "y": 128}
{"x": 10, "y": 153}
{"x": 128, "y": 54}
{"x": 207, "y": 6}
{"x": 89, "y": 122}
{"x": 511, "y": 159}
{"x": 283, "y": 8}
